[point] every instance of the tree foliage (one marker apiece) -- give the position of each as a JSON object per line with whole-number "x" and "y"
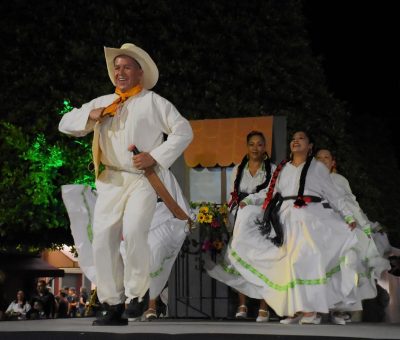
{"x": 216, "y": 59}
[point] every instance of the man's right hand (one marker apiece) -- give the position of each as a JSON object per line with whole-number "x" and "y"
{"x": 95, "y": 114}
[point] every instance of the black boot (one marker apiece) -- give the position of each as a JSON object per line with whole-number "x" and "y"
{"x": 111, "y": 316}
{"x": 135, "y": 309}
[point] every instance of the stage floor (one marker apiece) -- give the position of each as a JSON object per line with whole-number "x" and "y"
{"x": 81, "y": 328}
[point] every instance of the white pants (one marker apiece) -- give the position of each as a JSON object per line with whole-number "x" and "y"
{"x": 124, "y": 208}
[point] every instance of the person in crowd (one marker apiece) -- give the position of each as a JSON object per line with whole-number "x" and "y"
{"x": 250, "y": 176}
{"x": 73, "y": 302}
{"x": 131, "y": 119}
{"x": 18, "y": 308}
{"x": 37, "y": 311}
{"x": 62, "y": 305}
{"x": 285, "y": 242}
{"x": 83, "y": 300}
{"x": 46, "y": 298}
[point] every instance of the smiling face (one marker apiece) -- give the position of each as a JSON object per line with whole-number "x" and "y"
{"x": 300, "y": 144}
{"x": 127, "y": 73}
{"x": 256, "y": 148}
{"x": 326, "y": 157}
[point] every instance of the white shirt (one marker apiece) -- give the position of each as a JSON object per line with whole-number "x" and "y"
{"x": 15, "y": 307}
{"x": 318, "y": 183}
{"x": 249, "y": 183}
{"x": 141, "y": 120}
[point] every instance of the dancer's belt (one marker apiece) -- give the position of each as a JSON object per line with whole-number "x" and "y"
{"x": 164, "y": 194}
{"x": 307, "y": 198}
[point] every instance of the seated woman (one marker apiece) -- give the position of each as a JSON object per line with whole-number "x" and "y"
{"x": 297, "y": 253}
{"x": 250, "y": 176}
{"x": 18, "y": 308}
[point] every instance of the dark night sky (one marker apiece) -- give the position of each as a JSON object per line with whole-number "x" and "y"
{"x": 357, "y": 41}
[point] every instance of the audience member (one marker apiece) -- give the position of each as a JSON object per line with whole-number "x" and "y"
{"x": 18, "y": 308}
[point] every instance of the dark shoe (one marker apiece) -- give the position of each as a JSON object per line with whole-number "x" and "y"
{"x": 161, "y": 308}
{"x": 135, "y": 309}
{"x": 110, "y": 316}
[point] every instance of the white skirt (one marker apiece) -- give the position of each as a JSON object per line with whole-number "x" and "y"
{"x": 166, "y": 234}
{"x": 313, "y": 270}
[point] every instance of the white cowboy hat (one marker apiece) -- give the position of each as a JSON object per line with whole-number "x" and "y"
{"x": 150, "y": 70}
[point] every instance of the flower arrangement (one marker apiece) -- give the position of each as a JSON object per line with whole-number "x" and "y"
{"x": 212, "y": 220}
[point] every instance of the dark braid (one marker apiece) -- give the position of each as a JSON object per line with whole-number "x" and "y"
{"x": 267, "y": 167}
{"x": 299, "y": 202}
{"x": 239, "y": 174}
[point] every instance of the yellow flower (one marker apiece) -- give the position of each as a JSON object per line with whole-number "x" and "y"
{"x": 203, "y": 210}
{"x": 201, "y": 217}
{"x": 223, "y": 209}
{"x": 208, "y": 218}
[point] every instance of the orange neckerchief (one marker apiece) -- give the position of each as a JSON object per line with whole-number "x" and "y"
{"x": 110, "y": 110}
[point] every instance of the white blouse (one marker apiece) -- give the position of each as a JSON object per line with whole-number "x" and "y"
{"x": 318, "y": 183}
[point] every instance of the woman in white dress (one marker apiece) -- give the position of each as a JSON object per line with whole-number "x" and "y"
{"x": 251, "y": 175}
{"x": 371, "y": 264}
{"x": 166, "y": 237}
{"x": 297, "y": 253}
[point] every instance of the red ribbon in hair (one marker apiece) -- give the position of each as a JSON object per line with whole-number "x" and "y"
{"x": 271, "y": 188}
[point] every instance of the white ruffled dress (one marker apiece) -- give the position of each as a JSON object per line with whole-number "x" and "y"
{"x": 223, "y": 270}
{"x": 166, "y": 235}
{"x": 316, "y": 266}
{"x": 371, "y": 264}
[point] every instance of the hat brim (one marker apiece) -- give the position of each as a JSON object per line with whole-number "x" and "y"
{"x": 150, "y": 70}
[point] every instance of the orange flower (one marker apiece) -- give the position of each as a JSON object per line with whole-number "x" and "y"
{"x": 218, "y": 245}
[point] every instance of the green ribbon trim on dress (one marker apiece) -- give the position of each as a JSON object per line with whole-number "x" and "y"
{"x": 292, "y": 283}
{"x": 229, "y": 269}
{"x": 367, "y": 231}
{"x": 366, "y": 274}
{"x": 89, "y": 227}
{"x": 159, "y": 270}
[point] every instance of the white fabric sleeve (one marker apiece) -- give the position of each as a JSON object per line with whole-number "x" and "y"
{"x": 351, "y": 202}
{"x": 177, "y": 128}
{"x": 10, "y": 307}
{"x": 335, "y": 195}
{"x": 77, "y": 123}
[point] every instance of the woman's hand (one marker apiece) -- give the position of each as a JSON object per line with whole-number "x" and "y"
{"x": 352, "y": 225}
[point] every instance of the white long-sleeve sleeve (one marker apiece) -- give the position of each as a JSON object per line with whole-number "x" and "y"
{"x": 351, "y": 201}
